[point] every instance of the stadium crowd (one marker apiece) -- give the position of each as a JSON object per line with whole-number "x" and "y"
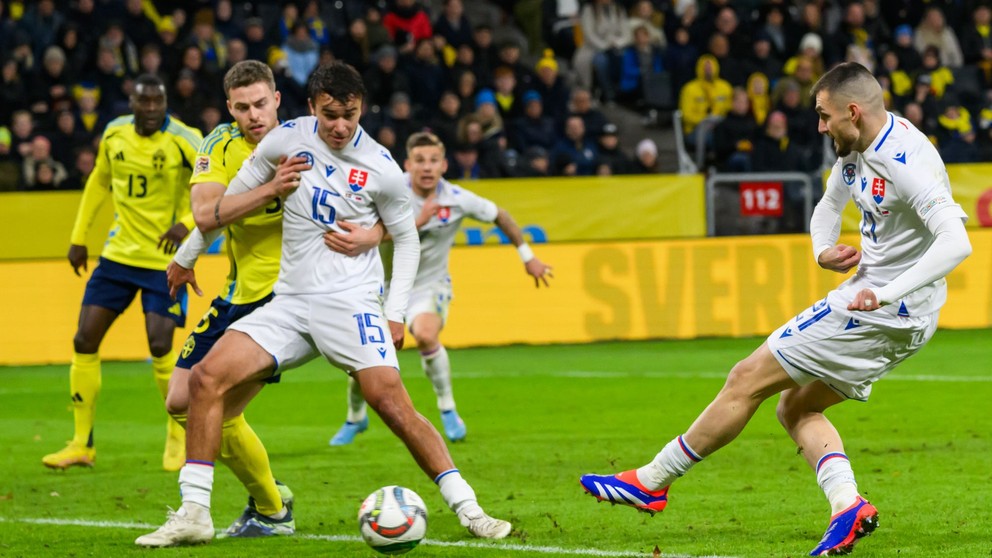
{"x": 514, "y": 98}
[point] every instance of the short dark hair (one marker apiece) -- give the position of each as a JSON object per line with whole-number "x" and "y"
{"x": 339, "y": 80}
{"x": 246, "y": 73}
{"x": 839, "y": 76}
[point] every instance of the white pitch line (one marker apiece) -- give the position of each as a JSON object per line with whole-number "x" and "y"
{"x": 701, "y": 375}
{"x": 350, "y": 538}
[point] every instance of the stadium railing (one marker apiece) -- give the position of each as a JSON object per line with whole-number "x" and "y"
{"x": 791, "y": 182}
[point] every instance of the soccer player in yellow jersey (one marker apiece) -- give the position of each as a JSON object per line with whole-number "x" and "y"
{"x": 144, "y": 163}
{"x": 254, "y": 246}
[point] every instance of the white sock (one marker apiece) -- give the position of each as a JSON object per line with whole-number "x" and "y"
{"x": 356, "y": 402}
{"x": 438, "y": 369}
{"x": 456, "y": 492}
{"x": 836, "y": 478}
{"x": 196, "y": 480}
{"x": 673, "y": 461}
{"x": 280, "y": 514}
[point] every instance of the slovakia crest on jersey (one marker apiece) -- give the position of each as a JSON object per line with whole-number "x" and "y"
{"x": 444, "y": 213}
{"x": 878, "y": 189}
{"x": 848, "y": 173}
{"x": 357, "y": 179}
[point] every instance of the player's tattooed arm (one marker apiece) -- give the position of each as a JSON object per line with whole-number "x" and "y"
{"x": 214, "y": 209}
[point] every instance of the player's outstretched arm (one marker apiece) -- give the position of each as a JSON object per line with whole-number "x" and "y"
{"x": 354, "y": 240}
{"x": 533, "y": 266}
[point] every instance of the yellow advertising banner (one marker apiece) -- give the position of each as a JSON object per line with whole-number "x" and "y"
{"x": 612, "y": 290}
{"x": 593, "y": 208}
{"x": 37, "y": 225}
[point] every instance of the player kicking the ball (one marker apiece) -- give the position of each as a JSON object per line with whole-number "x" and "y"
{"x": 441, "y": 207}
{"x": 326, "y": 303}
{"x": 912, "y": 236}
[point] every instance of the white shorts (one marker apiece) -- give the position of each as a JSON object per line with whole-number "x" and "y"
{"x": 348, "y": 328}
{"x": 848, "y": 351}
{"x": 430, "y": 299}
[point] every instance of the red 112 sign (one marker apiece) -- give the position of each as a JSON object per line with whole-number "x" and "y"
{"x": 761, "y": 199}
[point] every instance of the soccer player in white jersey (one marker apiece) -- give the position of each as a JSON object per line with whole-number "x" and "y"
{"x": 912, "y": 236}
{"x": 326, "y": 303}
{"x": 441, "y": 207}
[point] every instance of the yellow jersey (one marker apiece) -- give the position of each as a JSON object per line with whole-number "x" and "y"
{"x": 147, "y": 178}
{"x": 254, "y": 243}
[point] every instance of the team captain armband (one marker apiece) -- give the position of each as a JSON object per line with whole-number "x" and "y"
{"x": 526, "y": 254}
{"x": 937, "y": 202}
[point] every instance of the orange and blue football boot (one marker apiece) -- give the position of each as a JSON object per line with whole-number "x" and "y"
{"x": 624, "y": 489}
{"x": 846, "y": 528}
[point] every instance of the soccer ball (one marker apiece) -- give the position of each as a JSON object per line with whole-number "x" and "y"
{"x": 393, "y": 520}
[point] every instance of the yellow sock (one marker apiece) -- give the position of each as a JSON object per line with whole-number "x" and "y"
{"x": 162, "y": 370}
{"x": 84, "y": 386}
{"x": 242, "y": 451}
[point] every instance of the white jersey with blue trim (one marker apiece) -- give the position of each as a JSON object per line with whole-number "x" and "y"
{"x": 359, "y": 184}
{"x": 438, "y": 235}
{"x": 900, "y": 186}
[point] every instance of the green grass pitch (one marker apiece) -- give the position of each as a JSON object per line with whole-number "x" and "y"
{"x": 538, "y": 417}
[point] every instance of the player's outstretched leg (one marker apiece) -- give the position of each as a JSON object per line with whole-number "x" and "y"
{"x": 358, "y": 420}
{"x": 846, "y": 528}
{"x": 645, "y": 489}
{"x": 385, "y": 393}
{"x": 624, "y": 488}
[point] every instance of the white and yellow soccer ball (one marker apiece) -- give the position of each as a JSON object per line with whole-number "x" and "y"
{"x": 393, "y": 520}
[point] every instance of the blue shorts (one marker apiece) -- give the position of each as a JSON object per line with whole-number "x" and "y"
{"x": 212, "y": 326}
{"x": 113, "y": 286}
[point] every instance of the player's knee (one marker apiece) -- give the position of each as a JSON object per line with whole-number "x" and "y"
{"x": 203, "y": 383}
{"x": 428, "y": 342}
{"x": 84, "y": 343}
{"x": 743, "y": 379}
{"x": 786, "y": 413}
{"x": 177, "y": 401}
{"x": 159, "y": 347}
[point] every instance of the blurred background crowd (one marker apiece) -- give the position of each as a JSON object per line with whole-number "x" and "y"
{"x": 514, "y": 88}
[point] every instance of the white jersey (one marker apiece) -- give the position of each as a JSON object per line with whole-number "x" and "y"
{"x": 438, "y": 235}
{"x": 900, "y": 186}
{"x": 359, "y": 184}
